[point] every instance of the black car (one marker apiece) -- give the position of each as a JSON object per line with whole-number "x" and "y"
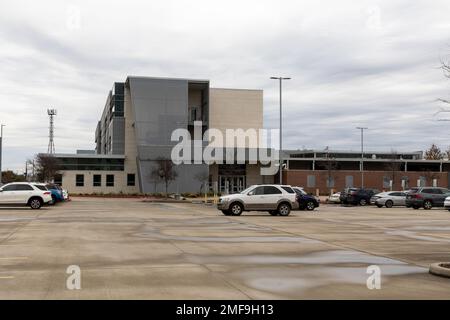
{"x": 357, "y": 196}
{"x": 305, "y": 201}
{"x": 426, "y": 198}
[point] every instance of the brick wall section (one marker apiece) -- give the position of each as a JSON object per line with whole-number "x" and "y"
{"x": 372, "y": 179}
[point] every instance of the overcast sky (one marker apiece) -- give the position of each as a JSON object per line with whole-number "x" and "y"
{"x": 352, "y": 63}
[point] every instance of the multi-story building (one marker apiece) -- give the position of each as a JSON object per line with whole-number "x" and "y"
{"x": 135, "y": 130}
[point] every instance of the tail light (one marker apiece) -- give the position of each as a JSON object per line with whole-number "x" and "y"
{"x": 352, "y": 193}
{"x": 47, "y": 193}
{"x": 415, "y": 196}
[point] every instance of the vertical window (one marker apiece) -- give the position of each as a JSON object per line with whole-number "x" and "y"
{"x": 349, "y": 181}
{"x": 79, "y": 180}
{"x": 311, "y": 181}
{"x": 97, "y": 180}
{"x": 58, "y": 179}
{"x": 131, "y": 179}
{"x": 330, "y": 182}
{"x": 110, "y": 180}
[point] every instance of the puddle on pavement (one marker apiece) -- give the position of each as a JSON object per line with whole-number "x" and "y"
{"x": 320, "y": 257}
{"x": 299, "y": 280}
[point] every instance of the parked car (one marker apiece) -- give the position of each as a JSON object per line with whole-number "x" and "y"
{"x": 57, "y": 193}
{"x": 24, "y": 193}
{"x": 447, "y": 203}
{"x": 426, "y": 197}
{"x": 276, "y": 199}
{"x": 389, "y": 199}
{"x": 65, "y": 194}
{"x": 305, "y": 201}
{"x": 334, "y": 198}
{"x": 357, "y": 196}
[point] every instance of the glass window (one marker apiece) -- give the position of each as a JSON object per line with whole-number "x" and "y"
{"x": 10, "y": 187}
{"x": 311, "y": 181}
{"x": 79, "y": 180}
{"x": 288, "y": 189}
{"x": 110, "y": 180}
{"x": 257, "y": 191}
{"x": 24, "y": 187}
{"x": 97, "y": 180}
{"x": 58, "y": 179}
{"x": 43, "y": 188}
{"x": 271, "y": 190}
{"x": 131, "y": 179}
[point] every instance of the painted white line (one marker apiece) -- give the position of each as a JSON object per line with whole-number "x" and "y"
{"x": 13, "y": 258}
{"x": 6, "y": 277}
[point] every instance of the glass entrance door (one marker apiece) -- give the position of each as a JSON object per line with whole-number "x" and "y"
{"x": 231, "y": 184}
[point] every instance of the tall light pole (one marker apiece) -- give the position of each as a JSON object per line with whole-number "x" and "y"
{"x": 1, "y": 149}
{"x": 362, "y": 154}
{"x": 280, "y": 79}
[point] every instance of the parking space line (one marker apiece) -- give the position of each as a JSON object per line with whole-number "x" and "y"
{"x": 6, "y": 277}
{"x": 13, "y": 258}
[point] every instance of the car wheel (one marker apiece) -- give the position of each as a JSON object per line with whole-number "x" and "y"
{"x": 389, "y": 204}
{"x": 362, "y": 202}
{"x": 273, "y": 212}
{"x": 35, "y": 203}
{"x": 284, "y": 209}
{"x": 236, "y": 209}
{"x": 427, "y": 205}
{"x": 415, "y": 207}
{"x": 379, "y": 206}
{"x": 310, "y": 206}
{"x": 226, "y": 212}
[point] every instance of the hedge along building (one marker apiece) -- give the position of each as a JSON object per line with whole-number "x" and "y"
{"x": 135, "y": 131}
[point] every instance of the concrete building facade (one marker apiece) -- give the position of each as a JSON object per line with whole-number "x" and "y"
{"x": 135, "y": 129}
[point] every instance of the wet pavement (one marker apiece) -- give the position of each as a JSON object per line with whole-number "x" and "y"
{"x": 129, "y": 249}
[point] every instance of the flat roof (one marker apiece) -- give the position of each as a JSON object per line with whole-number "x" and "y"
{"x": 166, "y": 78}
{"x": 89, "y": 156}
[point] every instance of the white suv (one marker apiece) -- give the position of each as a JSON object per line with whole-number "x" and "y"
{"x": 276, "y": 199}
{"x": 24, "y": 193}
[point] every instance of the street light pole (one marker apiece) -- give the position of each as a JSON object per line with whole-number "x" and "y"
{"x": 362, "y": 154}
{"x": 1, "y": 149}
{"x": 280, "y": 79}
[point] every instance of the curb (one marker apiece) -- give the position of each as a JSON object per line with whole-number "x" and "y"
{"x": 438, "y": 269}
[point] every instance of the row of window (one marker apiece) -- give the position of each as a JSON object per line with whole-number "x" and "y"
{"x": 311, "y": 181}
{"x": 97, "y": 180}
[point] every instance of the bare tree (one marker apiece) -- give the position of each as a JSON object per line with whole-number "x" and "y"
{"x": 166, "y": 172}
{"x": 155, "y": 179}
{"x": 434, "y": 153}
{"x": 46, "y": 167}
{"x": 331, "y": 166}
{"x": 430, "y": 175}
{"x": 203, "y": 178}
{"x": 393, "y": 167}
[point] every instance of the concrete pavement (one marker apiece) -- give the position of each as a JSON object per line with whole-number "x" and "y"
{"x": 129, "y": 249}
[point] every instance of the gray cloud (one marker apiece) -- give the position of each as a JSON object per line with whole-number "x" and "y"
{"x": 372, "y": 63}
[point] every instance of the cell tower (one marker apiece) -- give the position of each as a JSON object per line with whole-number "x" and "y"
{"x": 51, "y": 145}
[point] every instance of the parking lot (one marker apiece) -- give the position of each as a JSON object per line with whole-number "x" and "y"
{"x": 130, "y": 249}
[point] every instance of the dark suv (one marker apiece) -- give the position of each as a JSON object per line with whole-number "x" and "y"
{"x": 426, "y": 197}
{"x": 357, "y": 196}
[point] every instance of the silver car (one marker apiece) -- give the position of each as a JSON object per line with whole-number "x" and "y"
{"x": 389, "y": 199}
